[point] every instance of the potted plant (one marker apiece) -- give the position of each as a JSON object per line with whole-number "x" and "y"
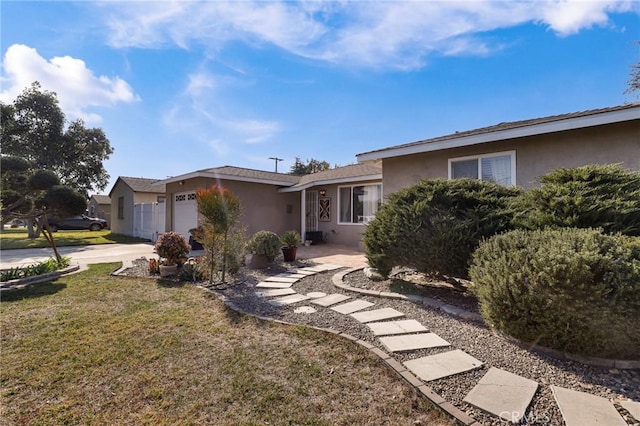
{"x": 264, "y": 246}
{"x": 290, "y": 241}
{"x": 172, "y": 249}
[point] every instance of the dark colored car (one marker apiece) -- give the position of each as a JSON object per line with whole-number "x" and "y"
{"x": 77, "y": 222}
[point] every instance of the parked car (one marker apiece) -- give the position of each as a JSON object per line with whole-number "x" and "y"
{"x": 77, "y": 222}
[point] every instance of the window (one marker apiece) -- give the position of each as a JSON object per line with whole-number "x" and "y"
{"x": 120, "y": 207}
{"x": 359, "y": 204}
{"x": 499, "y": 167}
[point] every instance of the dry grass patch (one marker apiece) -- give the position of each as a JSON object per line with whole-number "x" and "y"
{"x": 95, "y": 349}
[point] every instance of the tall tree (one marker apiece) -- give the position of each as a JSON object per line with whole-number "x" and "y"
{"x": 311, "y": 166}
{"x": 34, "y": 128}
{"x": 634, "y": 81}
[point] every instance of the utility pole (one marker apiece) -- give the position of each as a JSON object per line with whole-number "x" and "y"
{"x": 276, "y": 159}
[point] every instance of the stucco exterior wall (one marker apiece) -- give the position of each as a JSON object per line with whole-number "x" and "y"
{"x": 535, "y": 155}
{"x": 334, "y": 232}
{"x": 102, "y": 211}
{"x": 263, "y": 207}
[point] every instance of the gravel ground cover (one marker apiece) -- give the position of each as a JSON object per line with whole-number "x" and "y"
{"x": 474, "y": 338}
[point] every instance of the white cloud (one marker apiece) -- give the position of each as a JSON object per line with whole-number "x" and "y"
{"x": 379, "y": 34}
{"x": 77, "y": 87}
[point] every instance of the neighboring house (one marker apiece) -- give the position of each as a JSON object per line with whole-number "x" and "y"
{"x": 100, "y": 207}
{"x": 331, "y": 205}
{"x": 125, "y": 194}
{"x": 516, "y": 153}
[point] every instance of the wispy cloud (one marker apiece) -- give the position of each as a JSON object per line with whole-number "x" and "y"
{"x": 382, "y": 34}
{"x": 77, "y": 87}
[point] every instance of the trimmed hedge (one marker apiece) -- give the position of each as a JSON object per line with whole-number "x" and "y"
{"x": 435, "y": 225}
{"x": 592, "y": 196}
{"x": 575, "y": 290}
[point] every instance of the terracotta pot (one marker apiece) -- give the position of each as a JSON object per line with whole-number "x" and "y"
{"x": 289, "y": 253}
{"x": 168, "y": 270}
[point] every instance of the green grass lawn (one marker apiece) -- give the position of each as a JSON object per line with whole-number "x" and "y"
{"x": 16, "y": 238}
{"x": 90, "y": 348}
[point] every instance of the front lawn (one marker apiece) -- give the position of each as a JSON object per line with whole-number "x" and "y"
{"x": 16, "y": 238}
{"x": 90, "y": 348}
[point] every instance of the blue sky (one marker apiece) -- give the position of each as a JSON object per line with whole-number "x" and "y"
{"x": 181, "y": 86}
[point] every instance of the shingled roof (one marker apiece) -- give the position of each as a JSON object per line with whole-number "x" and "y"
{"x": 141, "y": 184}
{"x": 101, "y": 199}
{"x": 508, "y": 130}
{"x": 344, "y": 174}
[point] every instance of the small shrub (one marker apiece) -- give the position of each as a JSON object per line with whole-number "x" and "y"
{"x": 435, "y": 225}
{"x": 265, "y": 243}
{"x": 575, "y": 290}
{"x": 606, "y": 197}
{"x": 172, "y": 247}
{"x": 291, "y": 239}
{"x": 193, "y": 272}
{"x": 40, "y": 268}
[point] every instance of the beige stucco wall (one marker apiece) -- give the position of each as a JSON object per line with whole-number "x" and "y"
{"x": 335, "y": 233}
{"x": 124, "y": 226}
{"x": 535, "y": 155}
{"x": 102, "y": 211}
{"x": 263, "y": 207}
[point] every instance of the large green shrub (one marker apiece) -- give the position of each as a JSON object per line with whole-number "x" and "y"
{"x": 265, "y": 243}
{"x": 575, "y": 290}
{"x": 435, "y": 225}
{"x": 606, "y": 197}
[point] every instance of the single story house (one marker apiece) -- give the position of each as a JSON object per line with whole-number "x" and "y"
{"x": 332, "y": 205}
{"x": 516, "y": 153}
{"x": 100, "y": 207}
{"x": 125, "y": 194}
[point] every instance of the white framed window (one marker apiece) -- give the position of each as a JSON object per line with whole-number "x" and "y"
{"x": 358, "y": 204}
{"x": 499, "y": 167}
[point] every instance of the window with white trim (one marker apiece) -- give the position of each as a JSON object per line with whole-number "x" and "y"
{"x": 499, "y": 167}
{"x": 358, "y": 203}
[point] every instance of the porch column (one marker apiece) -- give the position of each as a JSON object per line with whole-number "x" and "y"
{"x": 303, "y": 214}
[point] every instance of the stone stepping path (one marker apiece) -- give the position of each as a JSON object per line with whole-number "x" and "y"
{"x": 442, "y": 365}
{"x": 290, "y": 275}
{"x": 503, "y": 394}
{"x": 411, "y": 342}
{"x": 331, "y": 299}
{"x": 272, "y": 284}
{"x": 275, "y": 292}
{"x": 350, "y": 307}
{"x": 304, "y": 310}
{"x": 316, "y": 294}
{"x": 632, "y": 407}
{"x": 377, "y": 315}
{"x": 277, "y": 279}
{"x": 396, "y": 327}
{"x": 584, "y": 409}
{"x": 288, "y": 300}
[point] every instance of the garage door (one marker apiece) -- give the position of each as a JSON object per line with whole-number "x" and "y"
{"x": 185, "y": 212}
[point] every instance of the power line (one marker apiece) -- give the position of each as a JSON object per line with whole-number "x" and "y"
{"x": 276, "y": 160}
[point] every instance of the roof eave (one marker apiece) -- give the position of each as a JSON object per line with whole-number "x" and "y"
{"x": 296, "y": 188}
{"x": 221, "y": 176}
{"x": 513, "y": 133}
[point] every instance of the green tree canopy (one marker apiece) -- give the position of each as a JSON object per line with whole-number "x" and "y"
{"x": 311, "y": 166}
{"x": 33, "y": 128}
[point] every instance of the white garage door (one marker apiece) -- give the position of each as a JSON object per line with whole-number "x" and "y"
{"x": 185, "y": 212}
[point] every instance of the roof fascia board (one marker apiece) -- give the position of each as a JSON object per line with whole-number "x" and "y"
{"x": 332, "y": 182}
{"x": 219, "y": 176}
{"x": 517, "y": 132}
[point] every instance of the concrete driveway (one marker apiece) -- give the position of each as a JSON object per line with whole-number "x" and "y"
{"x": 80, "y": 255}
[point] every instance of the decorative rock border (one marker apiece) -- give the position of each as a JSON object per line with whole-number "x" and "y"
{"x": 22, "y": 283}
{"x": 472, "y": 316}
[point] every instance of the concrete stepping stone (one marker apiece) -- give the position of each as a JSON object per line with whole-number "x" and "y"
{"x": 275, "y": 292}
{"x": 331, "y": 299}
{"x": 377, "y": 315}
{"x": 441, "y": 365}
{"x": 288, "y": 300}
{"x": 290, "y": 275}
{"x": 396, "y": 327}
{"x": 411, "y": 342}
{"x": 632, "y": 407}
{"x": 304, "y": 310}
{"x": 316, "y": 294}
{"x": 503, "y": 394}
{"x": 350, "y": 307}
{"x": 303, "y": 271}
{"x": 322, "y": 267}
{"x": 278, "y": 279}
{"x": 584, "y": 409}
{"x": 271, "y": 284}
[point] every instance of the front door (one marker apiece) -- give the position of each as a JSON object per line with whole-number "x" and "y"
{"x": 311, "y": 211}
